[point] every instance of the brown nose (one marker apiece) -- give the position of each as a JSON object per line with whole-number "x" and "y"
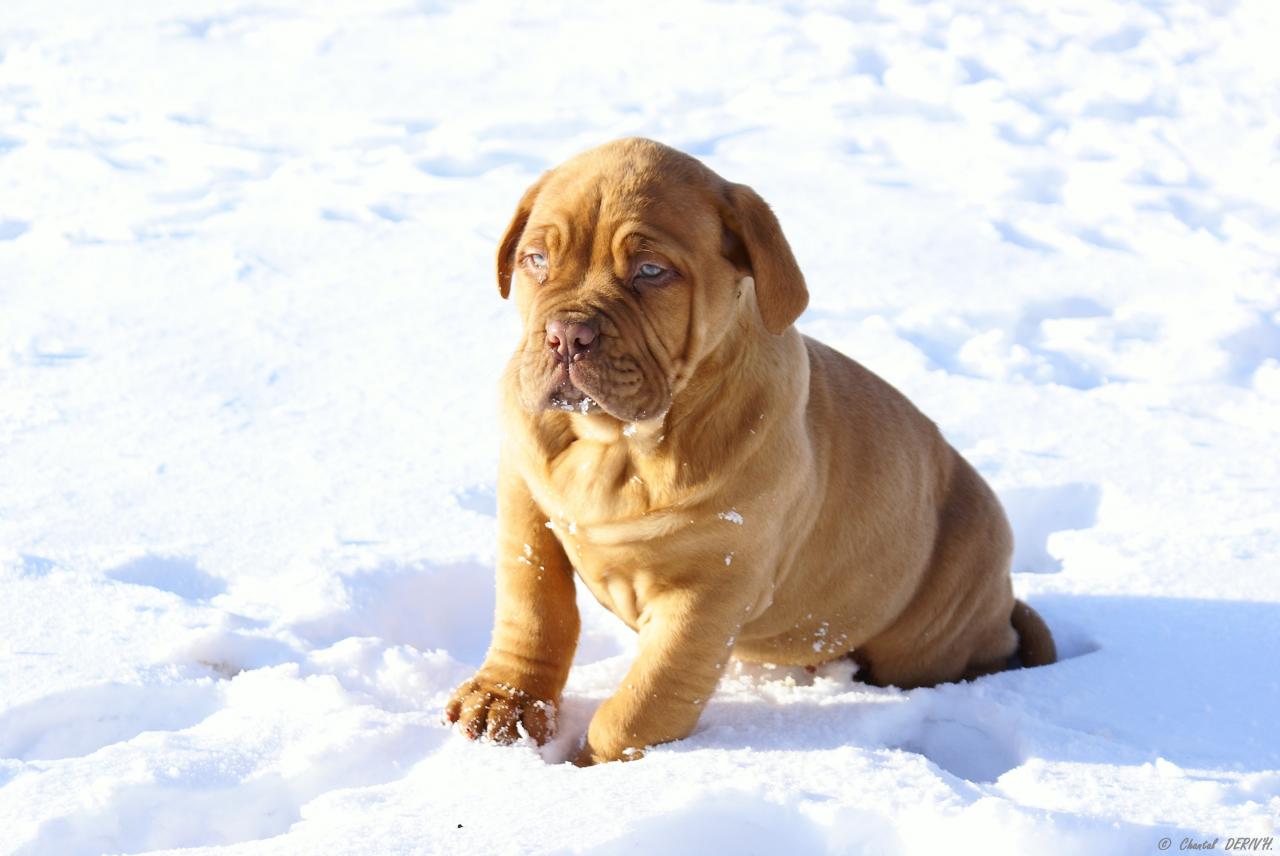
{"x": 569, "y": 339}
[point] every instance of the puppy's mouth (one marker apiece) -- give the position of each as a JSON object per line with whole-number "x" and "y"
{"x": 604, "y": 381}
{"x": 567, "y": 392}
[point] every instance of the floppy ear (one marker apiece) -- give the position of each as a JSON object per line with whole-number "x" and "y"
{"x": 507, "y": 249}
{"x": 756, "y": 240}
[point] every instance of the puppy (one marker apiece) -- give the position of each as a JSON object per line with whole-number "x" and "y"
{"x": 721, "y": 483}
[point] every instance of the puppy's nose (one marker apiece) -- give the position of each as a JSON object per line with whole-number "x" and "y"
{"x": 569, "y": 339}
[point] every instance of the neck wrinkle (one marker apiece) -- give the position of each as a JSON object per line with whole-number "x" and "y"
{"x": 703, "y": 429}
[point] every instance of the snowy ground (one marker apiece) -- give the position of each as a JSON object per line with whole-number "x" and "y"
{"x": 249, "y": 344}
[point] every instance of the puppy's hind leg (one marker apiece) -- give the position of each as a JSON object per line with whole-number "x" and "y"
{"x": 958, "y": 625}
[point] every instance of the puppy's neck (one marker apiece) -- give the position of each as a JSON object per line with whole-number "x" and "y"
{"x": 730, "y": 400}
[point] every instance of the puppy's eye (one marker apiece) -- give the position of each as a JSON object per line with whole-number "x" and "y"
{"x": 649, "y": 270}
{"x": 537, "y": 261}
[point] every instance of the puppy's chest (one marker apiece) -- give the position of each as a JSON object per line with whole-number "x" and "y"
{"x": 590, "y": 488}
{"x": 613, "y": 516}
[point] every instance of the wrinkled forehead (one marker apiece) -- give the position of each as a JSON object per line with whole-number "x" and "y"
{"x": 600, "y": 207}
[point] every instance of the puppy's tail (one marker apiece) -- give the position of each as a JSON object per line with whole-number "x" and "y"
{"x": 1035, "y": 642}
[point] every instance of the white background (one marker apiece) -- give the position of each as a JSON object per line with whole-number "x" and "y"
{"x": 249, "y": 345}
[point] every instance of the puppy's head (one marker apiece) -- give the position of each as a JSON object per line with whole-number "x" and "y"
{"x": 628, "y": 264}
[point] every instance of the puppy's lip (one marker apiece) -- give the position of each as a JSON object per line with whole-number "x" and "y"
{"x": 568, "y": 388}
{"x": 565, "y": 393}
{"x": 568, "y": 393}
{"x": 580, "y": 404}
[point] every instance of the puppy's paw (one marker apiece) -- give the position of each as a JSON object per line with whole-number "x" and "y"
{"x": 589, "y": 757}
{"x": 613, "y": 735}
{"x": 484, "y": 707}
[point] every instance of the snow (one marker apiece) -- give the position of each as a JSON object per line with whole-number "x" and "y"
{"x": 249, "y": 349}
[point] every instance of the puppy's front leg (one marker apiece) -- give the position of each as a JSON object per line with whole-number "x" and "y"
{"x": 686, "y": 638}
{"x": 535, "y": 628}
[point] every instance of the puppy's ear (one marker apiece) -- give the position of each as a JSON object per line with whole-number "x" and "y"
{"x": 507, "y": 248}
{"x": 754, "y": 240}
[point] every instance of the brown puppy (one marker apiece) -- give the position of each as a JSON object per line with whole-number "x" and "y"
{"x": 721, "y": 483}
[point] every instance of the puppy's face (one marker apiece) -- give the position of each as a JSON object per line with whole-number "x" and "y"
{"x": 627, "y": 264}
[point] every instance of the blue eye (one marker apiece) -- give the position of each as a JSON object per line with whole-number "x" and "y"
{"x": 648, "y": 270}
{"x": 537, "y": 260}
